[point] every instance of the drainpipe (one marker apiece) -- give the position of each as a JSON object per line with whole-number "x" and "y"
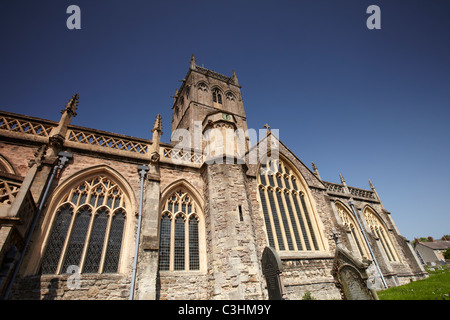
{"x": 142, "y": 172}
{"x": 64, "y": 157}
{"x": 368, "y": 244}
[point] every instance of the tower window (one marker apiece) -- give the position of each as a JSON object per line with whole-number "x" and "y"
{"x": 217, "y": 96}
{"x": 202, "y": 87}
{"x": 230, "y": 96}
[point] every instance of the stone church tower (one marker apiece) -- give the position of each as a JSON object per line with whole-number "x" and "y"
{"x": 89, "y": 214}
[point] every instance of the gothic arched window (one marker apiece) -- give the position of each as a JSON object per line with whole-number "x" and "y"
{"x": 179, "y": 247}
{"x": 217, "y": 96}
{"x": 230, "y": 96}
{"x": 377, "y": 227}
{"x": 87, "y": 229}
{"x": 288, "y": 214}
{"x": 353, "y": 230}
{"x": 202, "y": 87}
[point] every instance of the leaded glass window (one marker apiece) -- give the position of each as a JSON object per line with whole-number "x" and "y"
{"x": 267, "y": 219}
{"x": 114, "y": 242}
{"x": 77, "y": 238}
{"x": 275, "y": 218}
{"x": 194, "y": 258}
{"x": 301, "y": 220}
{"x": 308, "y": 220}
{"x": 353, "y": 230}
{"x": 288, "y": 215}
{"x": 87, "y": 229}
{"x": 292, "y": 217}
{"x": 179, "y": 243}
{"x": 179, "y": 233}
{"x": 96, "y": 241}
{"x": 164, "y": 243}
{"x": 377, "y": 227}
{"x": 57, "y": 237}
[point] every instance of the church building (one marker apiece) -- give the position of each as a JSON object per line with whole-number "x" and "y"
{"x": 89, "y": 214}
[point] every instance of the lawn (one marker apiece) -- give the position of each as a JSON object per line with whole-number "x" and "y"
{"x": 435, "y": 286}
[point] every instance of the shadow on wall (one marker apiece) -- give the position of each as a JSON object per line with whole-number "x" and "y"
{"x": 51, "y": 289}
{"x": 31, "y": 288}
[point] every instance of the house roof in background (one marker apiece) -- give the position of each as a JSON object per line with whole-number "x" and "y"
{"x": 436, "y": 245}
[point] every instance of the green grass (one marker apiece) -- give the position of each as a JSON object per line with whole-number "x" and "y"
{"x": 437, "y": 284}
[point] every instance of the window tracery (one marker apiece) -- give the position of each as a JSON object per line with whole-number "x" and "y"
{"x": 87, "y": 229}
{"x": 229, "y": 96}
{"x": 179, "y": 233}
{"x": 377, "y": 227}
{"x": 203, "y": 87}
{"x": 353, "y": 230}
{"x": 288, "y": 215}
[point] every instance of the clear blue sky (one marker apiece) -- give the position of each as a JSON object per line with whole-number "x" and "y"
{"x": 371, "y": 104}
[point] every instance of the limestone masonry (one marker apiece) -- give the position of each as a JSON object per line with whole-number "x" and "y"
{"x": 77, "y": 203}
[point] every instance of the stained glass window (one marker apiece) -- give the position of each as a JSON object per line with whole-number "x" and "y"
{"x": 90, "y": 217}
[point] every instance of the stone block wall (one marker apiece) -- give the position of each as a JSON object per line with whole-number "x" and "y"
{"x": 18, "y": 156}
{"x": 233, "y": 255}
{"x": 309, "y": 275}
{"x": 61, "y": 287}
{"x": 182, "y": 286}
